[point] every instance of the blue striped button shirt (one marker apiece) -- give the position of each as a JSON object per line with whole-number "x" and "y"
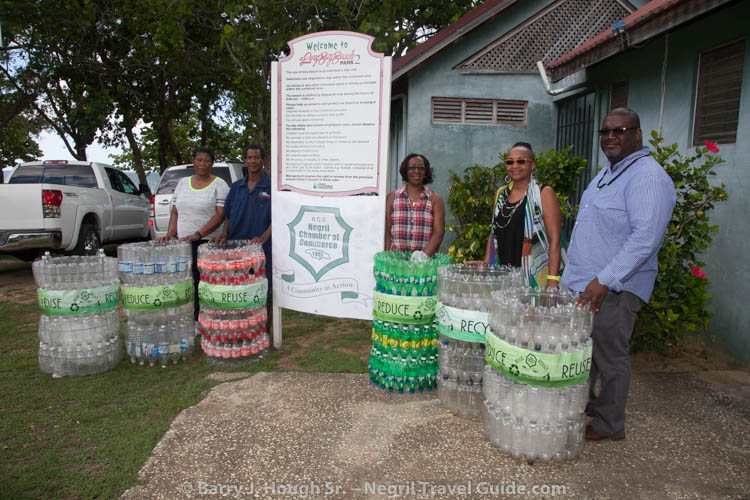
{"x": 620, "y": 226}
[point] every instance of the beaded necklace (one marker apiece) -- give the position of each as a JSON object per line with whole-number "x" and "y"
{"x": 508, "y": 216}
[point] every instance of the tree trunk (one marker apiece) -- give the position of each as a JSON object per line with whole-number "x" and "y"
{"x": 137, "y": 157}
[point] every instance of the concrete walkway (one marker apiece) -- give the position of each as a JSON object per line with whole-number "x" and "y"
{"x": 295, "y": 435}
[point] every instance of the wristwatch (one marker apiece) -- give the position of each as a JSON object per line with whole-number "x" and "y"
{"x": 198, "y": 234}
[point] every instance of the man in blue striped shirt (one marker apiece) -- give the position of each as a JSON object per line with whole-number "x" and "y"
{"x": 612, "y": 259}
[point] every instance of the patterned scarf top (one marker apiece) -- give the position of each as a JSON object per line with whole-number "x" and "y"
{"x": 535, "y": 256}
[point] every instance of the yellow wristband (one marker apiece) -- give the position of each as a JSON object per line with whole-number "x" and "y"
{"x": 554, "y": 278}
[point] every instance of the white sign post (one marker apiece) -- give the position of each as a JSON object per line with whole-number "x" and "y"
{"x": 330, "y": 118}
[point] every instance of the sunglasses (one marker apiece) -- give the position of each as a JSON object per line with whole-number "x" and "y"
{"x": 416, "y": 167}
{"x": 521, "y": 161}
{"x": 604, "y": 132}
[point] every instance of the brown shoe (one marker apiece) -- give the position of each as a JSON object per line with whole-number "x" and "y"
{"x": 594, "y": 435}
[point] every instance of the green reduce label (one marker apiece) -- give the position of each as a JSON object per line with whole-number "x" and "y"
{"x": 399, "y": 309}
{"x": 535, "y": 368}
{"x": 462, "y": 324}
{"x": 233, "y": 296}
{"x": 154, "y": 298}
{"x": 66, "y": 302}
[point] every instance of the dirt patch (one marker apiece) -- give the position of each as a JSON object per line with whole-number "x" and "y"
{"x": 17, "y": 282}
{"x": 323, "y": 333}
{"x": 226, "y": 376}
{"x": 695, "y": 356}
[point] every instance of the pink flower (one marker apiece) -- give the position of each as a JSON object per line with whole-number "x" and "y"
{"x": 712, "y": 146}
{"x": 698, "y": 271}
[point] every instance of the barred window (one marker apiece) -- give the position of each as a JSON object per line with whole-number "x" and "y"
{"x": 479, "y": 111}
{"x": 717, "y": 105}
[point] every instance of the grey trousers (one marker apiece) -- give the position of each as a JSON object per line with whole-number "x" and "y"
{"x": 613, "y": 327}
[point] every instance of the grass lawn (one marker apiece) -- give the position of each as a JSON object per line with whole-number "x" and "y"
{"x": 88, "y": 436}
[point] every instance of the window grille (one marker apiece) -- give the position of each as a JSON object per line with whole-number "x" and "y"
{"x": 478, "y": 111}
{"x": 547, "y": 36}
{"x": 717, "y": 103}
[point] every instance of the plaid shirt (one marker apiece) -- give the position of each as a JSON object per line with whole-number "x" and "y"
{"x": 411, "y": 226}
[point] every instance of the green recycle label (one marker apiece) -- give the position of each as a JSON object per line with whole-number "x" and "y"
{"x": 399, "y": 309}
{"x": 233, "y": 296}
{"x": 154, "y": 298}
{"x": 462, "y": 324}
{"x": 536, "y": 368}
{"x": 67, "y": 302}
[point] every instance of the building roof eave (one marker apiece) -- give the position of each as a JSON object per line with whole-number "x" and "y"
{"x": 448, "y": 35}
{"x": 654, "y": 19}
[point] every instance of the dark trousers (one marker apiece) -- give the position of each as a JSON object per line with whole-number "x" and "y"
{"x": 613, "y": 327}
{"x": 196, "y": 277}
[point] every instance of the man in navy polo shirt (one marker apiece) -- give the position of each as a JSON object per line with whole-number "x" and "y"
{"x": 247, "y": 209}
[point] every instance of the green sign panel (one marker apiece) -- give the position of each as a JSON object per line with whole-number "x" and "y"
{"x": 399, "y": 309}
{"x": 233, "y": 296}
{"x": 462, "y": 324}
{"x": 154, "y": 298}
{"x": 67, "y": 302}
{"x": 536, "y": 368}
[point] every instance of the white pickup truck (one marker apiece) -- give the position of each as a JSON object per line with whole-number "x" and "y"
{"x": 69, "y": 206}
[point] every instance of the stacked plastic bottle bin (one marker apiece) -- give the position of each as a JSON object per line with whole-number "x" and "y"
{"x": 463, "y": 320}
{"x": 403, "y": 356}
{"x": 536, "y": 380}
{"x": 157, "y": 297}
{"x": 233, "y": 320}
{"x": 79, "y": 329}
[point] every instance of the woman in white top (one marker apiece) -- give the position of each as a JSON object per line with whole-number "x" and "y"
{"x": 197, "y": 204}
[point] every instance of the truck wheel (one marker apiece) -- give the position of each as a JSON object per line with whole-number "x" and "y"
{"x": 88, "y": 241}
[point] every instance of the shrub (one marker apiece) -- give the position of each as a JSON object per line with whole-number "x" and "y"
{"x": 678, "y": 303}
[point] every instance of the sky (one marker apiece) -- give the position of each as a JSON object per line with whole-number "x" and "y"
{"x": 53, "y": 148}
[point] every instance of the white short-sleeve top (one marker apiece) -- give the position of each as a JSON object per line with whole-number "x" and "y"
{"x": 196, "y": 206}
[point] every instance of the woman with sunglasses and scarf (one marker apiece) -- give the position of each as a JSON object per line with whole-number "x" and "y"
{"x": 526, "y": 223}
{"x": 414, "y": 214}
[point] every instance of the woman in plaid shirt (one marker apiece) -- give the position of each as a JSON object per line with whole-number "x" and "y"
{"x": 415, "y": 215}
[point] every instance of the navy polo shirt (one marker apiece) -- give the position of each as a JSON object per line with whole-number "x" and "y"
{"x": 249, "y": 212}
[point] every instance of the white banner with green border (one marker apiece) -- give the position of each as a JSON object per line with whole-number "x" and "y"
{"x": 155, "y": 298}
{"x": 69, "y": 302}
{"x": 233, "y": 296}
{"x": 462, "y": 324}
{"x": 536, "y": 368}
{"x": 400, "y": 309}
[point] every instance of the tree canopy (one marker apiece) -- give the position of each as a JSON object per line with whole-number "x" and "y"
{"x": 161, "y": 77}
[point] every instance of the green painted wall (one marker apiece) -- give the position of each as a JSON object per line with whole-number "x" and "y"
{"x": 459, "y": 146}
{"x": 726, "y": 260}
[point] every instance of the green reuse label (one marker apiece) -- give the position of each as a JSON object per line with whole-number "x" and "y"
{"x": 462, "y": 324}
{"x": 154, "y": 298}
{"x": 399, "y": 309}
{"x": 233, "y": 296}
{"x": 536, "y": 368}
{"x": 64, "y": 302}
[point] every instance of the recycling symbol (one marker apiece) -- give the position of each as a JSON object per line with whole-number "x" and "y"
{"x": 531, "y": 360}
{"x": 514, "y": 370}
{"x": 157, "y": 302}
{"x": 74, "y": 307}
{"x": 256, "y": 299}
{"x": 418, "y": 315}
